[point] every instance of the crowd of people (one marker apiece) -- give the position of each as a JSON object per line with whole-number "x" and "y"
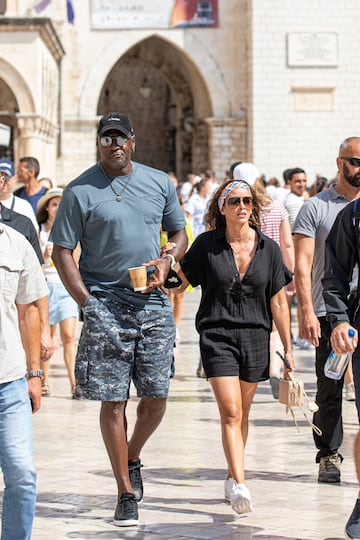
{"x": 252, "y": 246}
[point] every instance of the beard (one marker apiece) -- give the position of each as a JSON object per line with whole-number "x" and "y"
{"x": 352, "y": 179}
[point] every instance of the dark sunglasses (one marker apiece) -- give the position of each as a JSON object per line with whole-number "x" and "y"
{"x": 354, "y": 161}
{"x": 107, "y": 140}
{"x": 235, "y": 201}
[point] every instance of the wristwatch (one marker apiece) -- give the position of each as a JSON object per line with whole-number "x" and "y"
{"x": 35, "y": 373}
{"x": 171, "y": 259}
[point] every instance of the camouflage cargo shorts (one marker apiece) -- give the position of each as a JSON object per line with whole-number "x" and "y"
{"x": 118, "y": 345}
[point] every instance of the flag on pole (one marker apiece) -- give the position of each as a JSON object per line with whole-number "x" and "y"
{"x": 40, "y": 6}
{"x": 70, "y": 12}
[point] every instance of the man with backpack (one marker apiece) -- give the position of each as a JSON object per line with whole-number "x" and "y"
{"x": 311, "y": 229}
{"x": 342, "y": 302}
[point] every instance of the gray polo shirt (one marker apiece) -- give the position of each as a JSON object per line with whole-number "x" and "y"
{"x": 315, "y": 219}
{"x": 115, "y": 236}
{"x": 21, "y": 282}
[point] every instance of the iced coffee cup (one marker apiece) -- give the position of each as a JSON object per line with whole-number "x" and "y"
{"x": 138, "y": 277}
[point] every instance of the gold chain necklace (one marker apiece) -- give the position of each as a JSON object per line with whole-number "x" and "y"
{"x": 237, "y": 254}
{"x": 118, "y": 195}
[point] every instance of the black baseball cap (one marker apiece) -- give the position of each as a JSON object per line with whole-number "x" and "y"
{"x": 117, "y": 121}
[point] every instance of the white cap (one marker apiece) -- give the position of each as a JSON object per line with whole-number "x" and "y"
{"x": 247, "y": 172}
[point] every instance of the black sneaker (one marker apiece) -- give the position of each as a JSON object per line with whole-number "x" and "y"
{"x": 126, "y": 513}
{"x": 352, "y": 528}
{"x": 329, "y": 469}
{"x": 136, "y": 480}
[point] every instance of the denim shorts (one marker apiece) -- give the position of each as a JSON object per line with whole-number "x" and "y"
{"x": 239, "y": 352}
{"x": 61, "y": 305}
{"x": 119, "y": 345}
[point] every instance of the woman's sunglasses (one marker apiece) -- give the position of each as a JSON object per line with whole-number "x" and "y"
{"x": 235, "y": 201}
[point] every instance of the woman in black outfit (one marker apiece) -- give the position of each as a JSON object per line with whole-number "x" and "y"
{"x": 242, "y": 276}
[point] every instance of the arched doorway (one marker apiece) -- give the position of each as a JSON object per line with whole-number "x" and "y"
{"x": 163, "y": 92}
{"x": 8, "y": 109}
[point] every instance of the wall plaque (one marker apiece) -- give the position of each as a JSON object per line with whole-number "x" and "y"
{"x": 307, "y": 49}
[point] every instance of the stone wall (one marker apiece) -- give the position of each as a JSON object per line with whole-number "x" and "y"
{"x": 276, "y": 83}
{"x": 305, "y": 85}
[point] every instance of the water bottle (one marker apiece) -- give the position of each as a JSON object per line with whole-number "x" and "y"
{"x": 336, "y": 364}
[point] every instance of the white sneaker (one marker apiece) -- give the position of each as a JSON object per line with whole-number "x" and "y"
{"x": 350, "y": 392}
{"x": 238, "y": 495}
{"x": 228, "y": 484}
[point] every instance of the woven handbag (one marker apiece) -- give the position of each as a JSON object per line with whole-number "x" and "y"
{"x": 292, "y": 394}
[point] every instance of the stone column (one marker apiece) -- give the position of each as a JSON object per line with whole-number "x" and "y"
{"x": 36, "y": 136}
{"x": 79, "y": 150}
{"x": 227, "y": 143}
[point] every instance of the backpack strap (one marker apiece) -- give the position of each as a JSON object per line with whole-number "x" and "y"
{"x": 355, "y": 295}
{"x": 356, "y": 217}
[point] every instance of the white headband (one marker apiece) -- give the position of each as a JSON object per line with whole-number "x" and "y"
{"x": 228, "y": 189}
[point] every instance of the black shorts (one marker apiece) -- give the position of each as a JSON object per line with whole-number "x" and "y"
{"x": 240, "y": 352}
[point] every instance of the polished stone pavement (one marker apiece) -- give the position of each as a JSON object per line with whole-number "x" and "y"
{"x": 184, "y": 465}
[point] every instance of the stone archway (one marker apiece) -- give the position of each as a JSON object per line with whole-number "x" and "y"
{"x": 164, "y": 93}
{"x": 8, "y": 109}
{"x": 15, "y": 96}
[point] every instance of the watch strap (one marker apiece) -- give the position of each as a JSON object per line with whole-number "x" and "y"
{"x": 171, "y": 259}
{"x": 35, "y": 373}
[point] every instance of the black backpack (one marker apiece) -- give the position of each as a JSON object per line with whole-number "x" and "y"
{"x": 353, "y": 299}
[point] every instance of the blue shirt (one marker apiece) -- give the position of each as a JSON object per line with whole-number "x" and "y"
{"x": 115, "y": 236}
{"x": 32, "y": 199}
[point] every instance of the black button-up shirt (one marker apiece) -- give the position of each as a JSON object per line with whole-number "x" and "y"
{"x": 227, "y": 300}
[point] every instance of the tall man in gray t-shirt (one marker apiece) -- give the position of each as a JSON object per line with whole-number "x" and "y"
{"x": 115, "y": 210}
{"x": 311, "y": 229}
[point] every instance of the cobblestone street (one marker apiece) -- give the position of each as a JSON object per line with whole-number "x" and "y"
{"x": 184, "y": 466}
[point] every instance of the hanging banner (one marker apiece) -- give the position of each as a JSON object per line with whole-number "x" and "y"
{"x": 132, "y": 14}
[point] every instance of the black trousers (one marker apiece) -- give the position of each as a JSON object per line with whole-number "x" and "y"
{"x": 329, "y": 399}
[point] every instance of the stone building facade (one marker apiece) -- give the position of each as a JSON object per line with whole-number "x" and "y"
{"x": 274, "y": 83}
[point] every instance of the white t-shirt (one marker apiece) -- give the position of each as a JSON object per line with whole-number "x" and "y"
{"x": 293, "y": 203}
{"x": 280, "y": 194}
{"x": 196, "y": 207}
{"x": 22, "y": 281}
{"x": 21, "y": 207}
{"x": 51, "y": 274}
{"x": 185, "y": 191}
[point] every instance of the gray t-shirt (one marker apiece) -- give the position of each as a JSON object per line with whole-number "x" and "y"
{"x": 315, "y": 219}
{"x": 115, "y": 236}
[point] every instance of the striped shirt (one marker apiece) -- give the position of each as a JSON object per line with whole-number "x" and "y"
{"x": 271, "y": 218}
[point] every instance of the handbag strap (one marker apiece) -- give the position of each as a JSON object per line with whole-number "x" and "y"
{"x": 288, "y": 408}
{"x": 317, "y": 430}
{"x": 312, "y": 425}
